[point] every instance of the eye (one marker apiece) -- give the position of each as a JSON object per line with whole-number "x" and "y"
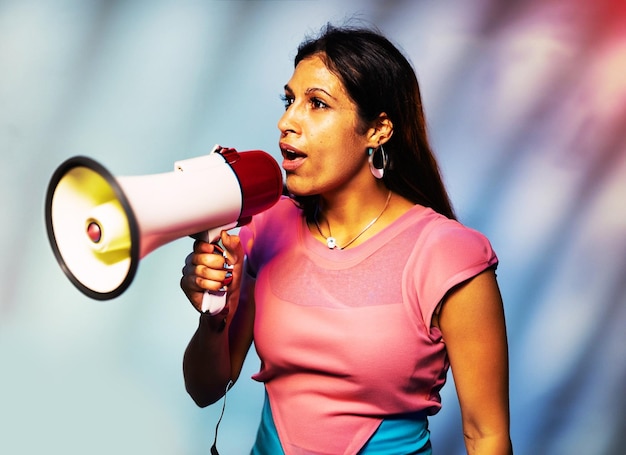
{"x": 318, "y": 103}
{"x": 287, "y": 100}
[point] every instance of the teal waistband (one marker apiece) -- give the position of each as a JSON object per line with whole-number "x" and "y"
{"x": 407, "y": 434}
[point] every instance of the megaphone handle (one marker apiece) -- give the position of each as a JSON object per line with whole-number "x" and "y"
{"x": 213, "y": 302}
{"x": 212, "y": 235}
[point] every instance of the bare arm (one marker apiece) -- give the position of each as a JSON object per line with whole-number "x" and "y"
{"x": 217, "y": 350}
{"x": 473, "y": 327}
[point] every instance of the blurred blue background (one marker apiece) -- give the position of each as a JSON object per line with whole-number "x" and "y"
{"x": 526, "y": 104}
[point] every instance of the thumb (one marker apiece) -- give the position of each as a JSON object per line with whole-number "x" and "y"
{"x": 233, "y": 247}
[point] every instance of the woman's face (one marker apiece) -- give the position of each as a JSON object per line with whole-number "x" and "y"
{"x": 322, "y": 140}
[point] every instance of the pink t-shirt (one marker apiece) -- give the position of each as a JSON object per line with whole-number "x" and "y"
{"x": 344, "y": 336}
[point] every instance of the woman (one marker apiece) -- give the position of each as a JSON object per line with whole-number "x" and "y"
{"x": 361, "y": 289}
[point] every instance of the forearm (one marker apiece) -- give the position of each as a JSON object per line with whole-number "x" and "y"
{"x": 218, "y": 348}
{"x": 206, "y": 363}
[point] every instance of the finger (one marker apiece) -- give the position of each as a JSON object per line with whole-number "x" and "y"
{"x": 206, "y": 277}
{"x": 196, "y": 283}
{"x": 214, "y": 260}
{"x": 203, "y": 274}
{"x": 200, "y": 246}
{"x": 232, "y": 248}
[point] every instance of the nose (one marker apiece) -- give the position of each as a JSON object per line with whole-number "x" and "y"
{"x": 288, "y": 122}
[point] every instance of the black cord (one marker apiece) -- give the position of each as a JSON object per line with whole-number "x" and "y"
{"x": 217, "y": 426}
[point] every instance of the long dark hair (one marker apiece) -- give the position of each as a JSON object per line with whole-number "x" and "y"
{"x": 379, "y": 78}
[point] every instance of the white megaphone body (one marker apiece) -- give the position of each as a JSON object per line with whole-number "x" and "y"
{"x": 100, "y": 226}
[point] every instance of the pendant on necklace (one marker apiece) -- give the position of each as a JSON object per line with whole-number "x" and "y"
{"x": 331, "y": 243}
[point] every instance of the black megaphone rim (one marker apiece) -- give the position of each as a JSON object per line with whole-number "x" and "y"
{"x": 59, "y": 173}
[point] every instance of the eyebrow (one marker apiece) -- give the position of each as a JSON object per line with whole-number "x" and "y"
{"x": 310, "y": 90}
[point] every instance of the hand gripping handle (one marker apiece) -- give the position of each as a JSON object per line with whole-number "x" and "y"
{"x": 214, "y": 302}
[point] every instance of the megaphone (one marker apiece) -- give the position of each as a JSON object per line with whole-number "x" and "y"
{"x": 100, "y": 226}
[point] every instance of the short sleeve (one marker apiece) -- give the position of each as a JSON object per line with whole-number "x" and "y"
{"x": 449, "y": 255}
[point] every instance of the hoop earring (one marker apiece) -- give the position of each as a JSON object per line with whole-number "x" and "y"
{"x": 382, "y": 161}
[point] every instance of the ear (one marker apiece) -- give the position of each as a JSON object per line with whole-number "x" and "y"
{"x": 380, "y": 131}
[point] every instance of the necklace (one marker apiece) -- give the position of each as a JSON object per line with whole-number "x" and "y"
{"x": 331, "y": 242}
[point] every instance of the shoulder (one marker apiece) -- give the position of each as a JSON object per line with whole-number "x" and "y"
{"x": 456, "y": 239}
{"x": 427, "y": 232}
{"x": 438, "y": 234}
{"x": 445, "y": 254}
{"x": 278, "y": 222}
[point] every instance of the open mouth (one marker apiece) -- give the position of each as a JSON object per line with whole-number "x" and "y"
{"x": 293, "y": 158}
{"x": 290, "y": 153}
